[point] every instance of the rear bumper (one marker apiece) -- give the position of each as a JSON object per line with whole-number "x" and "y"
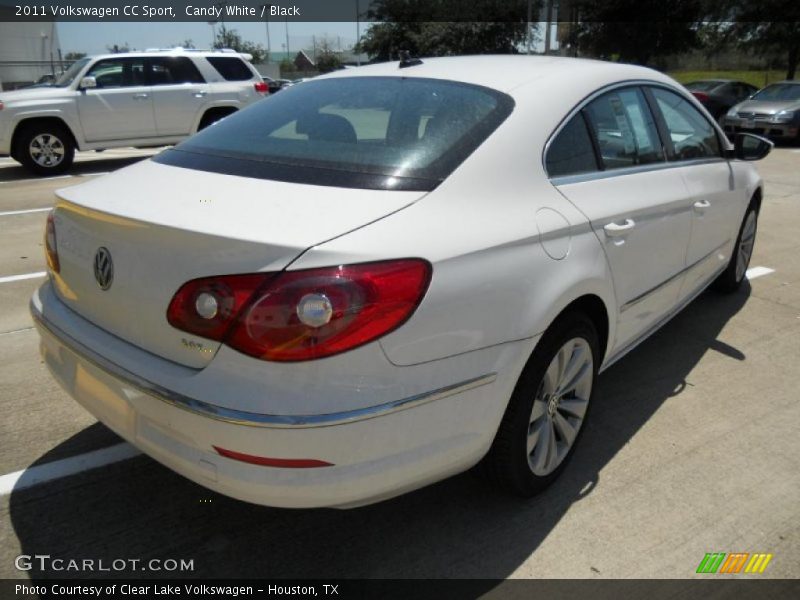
{"x": 375, "y": 454}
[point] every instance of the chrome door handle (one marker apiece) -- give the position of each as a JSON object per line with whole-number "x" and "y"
{"x": 618, "y": 229}
{"x": 701, "y": 205}
{"x": 141, "y": 96}
{"x": 199, "y": 94}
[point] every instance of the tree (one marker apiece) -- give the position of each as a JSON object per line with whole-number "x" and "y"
{"x": 327, "y": 58}
{"x": 770, "y": 28}
{"x": 638, "y": 31}
{"x": 117, "y": 49}
{"x": 187, "y": 43}
{"x": 72, "y": 56}
{"x": 230, "y": 38}
{"x": 446, "y": 27}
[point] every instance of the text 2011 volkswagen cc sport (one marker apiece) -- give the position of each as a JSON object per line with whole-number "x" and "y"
{"x": 384, "y": 276}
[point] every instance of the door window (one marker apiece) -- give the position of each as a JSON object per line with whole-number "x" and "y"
{"x": 173, "y": 70}
{"x": 691, "y": 134}
{"x": 624, "y": 129}
{"x": 118, "y": 72}
{"x": 571, "y": 151}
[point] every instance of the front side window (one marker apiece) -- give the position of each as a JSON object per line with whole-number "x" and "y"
{"x": 369, "y": 132}
{"x": 691, "y": 133}
{"x": 571, "y": 151}
{"x": 118, "y": 72}
{"x": 70, "y": 74}
{"x": 624, "y": 129}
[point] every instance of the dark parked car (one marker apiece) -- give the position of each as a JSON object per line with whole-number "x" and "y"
{"x": 718, "y": 95}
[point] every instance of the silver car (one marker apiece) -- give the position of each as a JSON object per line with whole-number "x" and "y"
{"x": 773, "y": 112}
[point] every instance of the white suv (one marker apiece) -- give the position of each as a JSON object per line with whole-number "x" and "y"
{"x": 133, "y": 99}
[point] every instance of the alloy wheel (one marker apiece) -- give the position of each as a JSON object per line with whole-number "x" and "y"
{"x": 745, "y": 249}
{"x": 559, "y": 406}
{"x": 47, "y": 150}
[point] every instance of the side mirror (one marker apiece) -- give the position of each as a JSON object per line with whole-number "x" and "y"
{"x": 88, "y": 83}
{"x": 748, "y": 146}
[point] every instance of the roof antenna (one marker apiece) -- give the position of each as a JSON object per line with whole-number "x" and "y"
{"x": 407, "y": 61}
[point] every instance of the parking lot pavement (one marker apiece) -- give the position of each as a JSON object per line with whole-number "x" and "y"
{"x": 691, "y": 448}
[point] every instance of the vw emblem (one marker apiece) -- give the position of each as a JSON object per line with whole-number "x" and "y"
{"x": 103, "y": 268}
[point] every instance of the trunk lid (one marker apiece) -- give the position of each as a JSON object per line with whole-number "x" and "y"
{"x": 163, "y": 226}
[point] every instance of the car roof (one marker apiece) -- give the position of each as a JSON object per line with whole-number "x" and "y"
{"x": 507, "y": 72}
{"x": 171, "y": 52}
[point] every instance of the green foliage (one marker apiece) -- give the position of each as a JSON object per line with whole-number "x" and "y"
{"x": 230, "y": 38}
{"x": 638, "y": 31}
{"x": 756, "y": 78}
{"x": 446, "y": 27}
{"x": 117, "y": 49}
{"x": 71, "y": 56}
{"x": 287, "y": 66}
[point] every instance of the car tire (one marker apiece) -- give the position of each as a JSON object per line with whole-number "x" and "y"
{"x": 45, "y": 148}
{"x": 521, "y": 460}
{"x": 732, "y": 277}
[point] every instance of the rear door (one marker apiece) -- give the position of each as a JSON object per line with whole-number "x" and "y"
{"x": 715, "y": 204}
{"x": 121, "y": 106}
{"x": 637, "y": 206}
{"x": 179, "y": 94}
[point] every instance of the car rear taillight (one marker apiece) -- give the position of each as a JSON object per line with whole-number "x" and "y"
{"x": 50, "y": 245}
{"x": 2, "y": 106}
{"x": 302, "y": 315}
{"x": 701, "y": 96}
{"x": 261, "y": 87}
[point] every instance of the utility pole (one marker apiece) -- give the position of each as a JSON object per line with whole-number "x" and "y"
{"x": 266, "y": 8}
{"x": 549, "y": 25}
{"x": 358, "y": 33}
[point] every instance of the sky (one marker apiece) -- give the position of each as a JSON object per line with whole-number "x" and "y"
{"x": 93, "y": 38}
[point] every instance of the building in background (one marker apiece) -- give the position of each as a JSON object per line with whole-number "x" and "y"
{"x": 28, "y": 52}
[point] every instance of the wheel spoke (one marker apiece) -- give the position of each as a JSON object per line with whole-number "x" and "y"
{"x": 566, "y": 431}
{"x": 575, "y": 407}
{"x": 542, "y": 449}
{"x": 539, "y": 409}
{"x": 572, "y": 368}
{"x": 533, "y": 437}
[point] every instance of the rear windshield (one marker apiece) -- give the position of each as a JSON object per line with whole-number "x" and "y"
{"x": 364, "y": 132}
{"x": 703, "y": 86}
{"x": 230, "y": 67}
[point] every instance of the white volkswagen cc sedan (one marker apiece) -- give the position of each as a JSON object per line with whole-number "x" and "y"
{"x": 387, "y": 275}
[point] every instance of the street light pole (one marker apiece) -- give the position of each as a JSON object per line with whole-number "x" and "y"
{"x": 288, "y": 51}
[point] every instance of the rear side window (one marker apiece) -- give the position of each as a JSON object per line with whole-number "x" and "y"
{"x": 571, "y": 151}
{"x": 230, "y": 67}
{"x": 691, "y": 134}
{"x": 364, "y": 132}
{"x": 624, "y": 129}
{"x": 173, "y": 70}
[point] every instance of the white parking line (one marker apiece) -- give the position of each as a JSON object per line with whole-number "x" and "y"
{"x": 8, "y": 213}
{"x": 11, "y": 278}
{"x": 63, "y": 468}
{"x": 754, "y": 272}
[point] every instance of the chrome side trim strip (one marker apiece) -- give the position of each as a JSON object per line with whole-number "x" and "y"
{"x": 238, "y": 417}
{"x": 648, "y": 168}
{"x": 666, "y": 282}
